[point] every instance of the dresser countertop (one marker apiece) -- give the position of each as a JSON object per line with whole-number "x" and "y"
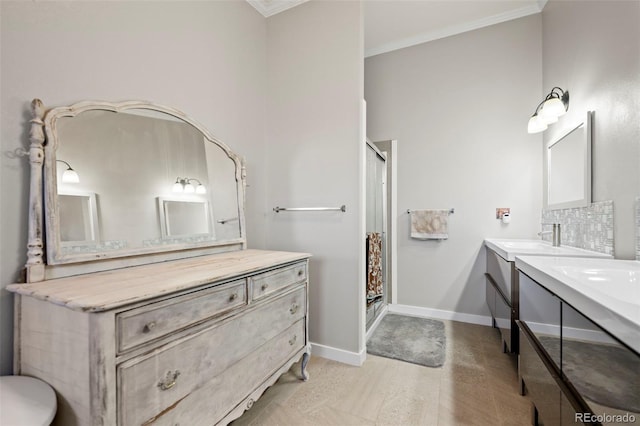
{"x": 106, "y": 290}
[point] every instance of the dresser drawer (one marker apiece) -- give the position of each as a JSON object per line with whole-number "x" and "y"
{"x": 150, "y": 322}
{"x": 269, "y": 282}
{"x": 209, "y": 404}
{"x": 157, "y": 382}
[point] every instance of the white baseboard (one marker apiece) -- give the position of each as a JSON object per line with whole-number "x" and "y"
{"x": 418, "y": 311}
{"x": 340, "y": 355}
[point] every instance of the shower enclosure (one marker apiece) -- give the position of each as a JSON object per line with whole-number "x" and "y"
{"x": 376, "y": 227}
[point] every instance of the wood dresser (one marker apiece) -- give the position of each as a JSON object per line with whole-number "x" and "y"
{"x": 185, "y": 342}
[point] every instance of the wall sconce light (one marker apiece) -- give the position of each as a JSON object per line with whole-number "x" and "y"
{"x": 555, "y": 104}
{"x": 69, "y": 175}
{"x": 184, "y": 185}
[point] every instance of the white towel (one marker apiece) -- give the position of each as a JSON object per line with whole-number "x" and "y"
{"x": 429, "y": 224}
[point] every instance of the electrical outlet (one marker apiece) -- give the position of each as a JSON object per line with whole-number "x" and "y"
{"x": 500, "y": 211}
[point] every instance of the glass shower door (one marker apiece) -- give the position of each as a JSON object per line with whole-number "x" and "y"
{"x": 377, "y": 282}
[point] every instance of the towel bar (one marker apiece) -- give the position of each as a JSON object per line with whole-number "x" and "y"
{"x": 451, "y": 211}
{"x": 342, "y": 208}
{"x": 230, "y": 219}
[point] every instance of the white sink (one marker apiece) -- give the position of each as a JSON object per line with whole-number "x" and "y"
{"x": 605, "y": 290}
{"x": 509, "y": 249}
{"x": 525, "y": 245}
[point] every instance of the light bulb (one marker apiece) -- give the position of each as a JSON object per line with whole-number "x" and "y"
{"x": 548, "y": 119}
{"x": 177, "y": 187}
{"x": 200, "y": 189}
{"x": 552, "y": 108}
{"x": 70, "y": 176}
{"x": 189, "y": 189}
{"x": 536, "y": 125}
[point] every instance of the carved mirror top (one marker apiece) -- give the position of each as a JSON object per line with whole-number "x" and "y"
{"x": 107, "y": 165}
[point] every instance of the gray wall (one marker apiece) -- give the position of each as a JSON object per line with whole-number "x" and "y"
{"x": 592, "y": 49}
{"x": 459, "y": 108}
{"x": 207, "y": 59}
{"x": 315, "y": 55}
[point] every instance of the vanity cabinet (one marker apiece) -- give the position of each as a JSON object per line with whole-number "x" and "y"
{"x": 192, "y": 342}
{"x": 572, "y": 368}
{"x": 502, "y": 298}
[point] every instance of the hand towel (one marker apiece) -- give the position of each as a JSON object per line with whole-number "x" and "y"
{"x": 429, "y": 224}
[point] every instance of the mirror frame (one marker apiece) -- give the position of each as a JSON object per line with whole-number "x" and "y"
{"x": 586, "y": 146}
{"x": 43, "y": 186}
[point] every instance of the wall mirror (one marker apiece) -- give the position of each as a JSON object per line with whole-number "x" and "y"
{"x": 569, "y": 167}
{"x": 128, "y": 156}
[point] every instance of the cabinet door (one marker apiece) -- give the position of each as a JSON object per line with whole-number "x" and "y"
{"x": 503, "y": 320}
{"x": 605, "y": 373}
{"x": 540, "y": 311}
{"x": 539, "y": 382}
{"x": 490, "y": 295}
{"x": 501, "y": 272}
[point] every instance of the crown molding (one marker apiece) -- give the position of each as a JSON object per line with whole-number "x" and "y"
{"x": 456, "y": 29}
{"x": 271, "y": 7}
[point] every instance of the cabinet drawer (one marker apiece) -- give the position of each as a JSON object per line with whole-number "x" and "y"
{"x": 502, "y": 273}
{"x": 157, "y": 382}
{"x": 269, "y": 282}
{"x": 208, "y": 405}
{"x": 152, "y": 321}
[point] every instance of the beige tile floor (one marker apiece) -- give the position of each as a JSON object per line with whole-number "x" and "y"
{"x": 476, "y": 386}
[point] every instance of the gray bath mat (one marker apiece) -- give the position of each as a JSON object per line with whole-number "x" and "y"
{"x": 411, "y": 339}
{"x": 604, "y": 374}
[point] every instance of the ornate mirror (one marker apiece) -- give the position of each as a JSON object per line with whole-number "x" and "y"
{"x": 134, "y": 179}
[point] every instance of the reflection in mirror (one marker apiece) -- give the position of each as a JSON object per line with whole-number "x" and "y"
{"x": 78, "y": 219}
{"x": 130, "y": 158}
{"x": 183, "y": 218}
{"x": 569, "y": 168}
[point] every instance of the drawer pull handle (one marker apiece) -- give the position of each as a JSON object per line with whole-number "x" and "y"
{"x": 169, "y": 381}
{"x": 300, "y": 272}
{"x": 292, "y": 341}
{"x": 265, "y": 286}
{"x": 149, "y": 326}
{"x": 294, "y": 308}
{"x": 233, "y": 297}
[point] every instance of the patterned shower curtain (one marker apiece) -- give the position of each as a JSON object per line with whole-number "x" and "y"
{"x": 374, "y": 264}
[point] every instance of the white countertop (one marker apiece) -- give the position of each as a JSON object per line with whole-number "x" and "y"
{"x": 508, "y": 249}
{"x": 607, "y": 291}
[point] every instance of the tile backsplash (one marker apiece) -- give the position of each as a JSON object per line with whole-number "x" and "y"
{"x": 638, "y": 228}
{"x": 590, "y": 228}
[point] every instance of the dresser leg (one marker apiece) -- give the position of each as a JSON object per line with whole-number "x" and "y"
{"x": 303, "y": 364}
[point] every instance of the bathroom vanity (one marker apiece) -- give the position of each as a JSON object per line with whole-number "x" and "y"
{"x": 579, "y": 348}
{"x": 147, "y": 307}
{"x": 502, "y": 280}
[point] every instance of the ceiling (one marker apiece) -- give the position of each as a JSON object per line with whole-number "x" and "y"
{"x": 394, "y": 24}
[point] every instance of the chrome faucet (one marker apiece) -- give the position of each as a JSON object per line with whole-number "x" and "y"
{"x": 555, "y": 234}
